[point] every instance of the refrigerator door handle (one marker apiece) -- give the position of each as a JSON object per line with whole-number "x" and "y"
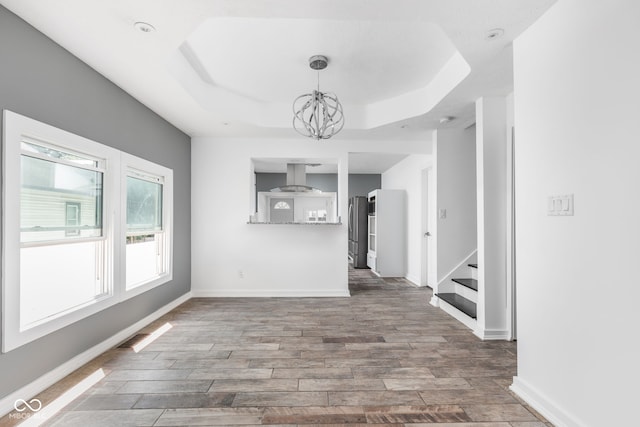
{"x": 350, "y": 220}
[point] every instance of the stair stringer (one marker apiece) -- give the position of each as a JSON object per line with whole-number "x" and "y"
{"x": 446, "y": 285}
{"x": 469, "y": 322}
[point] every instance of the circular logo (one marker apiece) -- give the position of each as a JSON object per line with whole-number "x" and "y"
{"x": 34, "y": 405}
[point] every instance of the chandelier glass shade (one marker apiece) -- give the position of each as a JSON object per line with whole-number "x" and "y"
{"x": 318, "y": 115}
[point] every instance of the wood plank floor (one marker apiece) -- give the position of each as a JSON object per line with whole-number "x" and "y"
{"x": 382, "y": 357}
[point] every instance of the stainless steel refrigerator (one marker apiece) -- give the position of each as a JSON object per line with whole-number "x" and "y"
{"x": 358, "y": 231}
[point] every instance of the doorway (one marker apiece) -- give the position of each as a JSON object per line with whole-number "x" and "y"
{"x": 427, "y": 264}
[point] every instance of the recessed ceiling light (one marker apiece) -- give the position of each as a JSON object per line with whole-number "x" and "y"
{"x": 446, "y": 119}
{"x": 496, "y": 33}
{"x": 144, "y": 27}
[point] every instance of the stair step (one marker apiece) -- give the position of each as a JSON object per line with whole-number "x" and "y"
{"x": 459, "y": 302}
{"x": 473, "y": 265}
{"x": 469, "y": 283}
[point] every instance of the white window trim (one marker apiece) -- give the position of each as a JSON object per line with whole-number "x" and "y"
{"x": 132, "y": 165}
{"x": 15, "y": 128}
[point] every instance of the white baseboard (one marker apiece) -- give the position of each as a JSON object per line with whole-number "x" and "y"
{"x": 269, "y": 294}
{"x": 435, "y": 301}
{"x": 415, "y": 281}
{"x": 52, "y": 377}
{"x": 541, "y": 403}
{"x": 458, "y": 315}
{"x": 492, "y": 334}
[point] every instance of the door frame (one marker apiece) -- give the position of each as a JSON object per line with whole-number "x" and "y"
{"x": 427, "y": 264}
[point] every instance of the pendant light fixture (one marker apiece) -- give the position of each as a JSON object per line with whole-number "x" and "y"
{"x": 318, "y": 115}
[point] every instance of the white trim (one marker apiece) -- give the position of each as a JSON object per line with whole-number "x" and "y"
{"x": 545, "y": 406}
{"x": 15, "y": 128}
{"x": 465, "y": 292}
{"x": 116, "y": 166}
{"x": 414, "y": 281}
{"x": 467, "y": 321}
{"x": 51, "y": 377}
{"x": 469, "y": 259}
{"x": 269, "y": 294}
{"x": 492, "y": 334}
{"x": 137, "y": 165}
{"x": 511, "y": 230}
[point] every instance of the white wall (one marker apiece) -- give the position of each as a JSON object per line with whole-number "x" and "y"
{"x": 577, "y": 92}
{"x": 275, "y": 260}
{"x": 407, "y": 175}
{"x": 456, "y": 235}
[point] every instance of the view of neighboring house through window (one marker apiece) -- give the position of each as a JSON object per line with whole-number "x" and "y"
{"x": 84, "y": 226}
{"x": 72, "y": 219}
{"x": 61, "y": 232}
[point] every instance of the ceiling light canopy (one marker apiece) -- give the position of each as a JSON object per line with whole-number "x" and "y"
{"x": 144, "y": 27}
{"x": 318, "y": 115}
{"x": 494, "y": 34}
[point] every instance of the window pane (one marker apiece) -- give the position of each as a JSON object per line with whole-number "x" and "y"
{"x": 282, "y": 205}
{"x": 144, "y": 205}
{"x": 72, "y": 219}
{"x": 57, "y": 279}
{"x": 48, "y": 191}
{"x": 56, "y": 154}
{"x": 144, "y": 258}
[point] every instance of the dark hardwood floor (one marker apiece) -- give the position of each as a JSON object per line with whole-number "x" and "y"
{"x": 384, "y": 356}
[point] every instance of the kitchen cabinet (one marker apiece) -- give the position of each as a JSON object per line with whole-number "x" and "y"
{"x": 386, "y": 254}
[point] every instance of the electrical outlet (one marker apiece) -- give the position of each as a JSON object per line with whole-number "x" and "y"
{"x": 241, "y": 274}
{"x": 442, "y": 213}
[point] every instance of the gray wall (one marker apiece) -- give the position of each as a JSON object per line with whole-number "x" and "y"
{"x": 267, "y": 181}
{"x": 362, "y": 184}
{"x": 321, "y": 181}
{"x": 41, "y": 80}
{"x": 359, "y": 184}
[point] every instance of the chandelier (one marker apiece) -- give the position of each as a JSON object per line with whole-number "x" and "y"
{"x": 318, "y": 115}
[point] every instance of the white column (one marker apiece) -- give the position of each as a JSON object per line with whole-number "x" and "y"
{"x": 491, "y": 168}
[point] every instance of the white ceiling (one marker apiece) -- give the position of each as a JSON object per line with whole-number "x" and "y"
{"x": 231, "y": 68}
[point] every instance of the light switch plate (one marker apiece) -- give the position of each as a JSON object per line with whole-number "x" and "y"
{"x": 560, "y": 205}
{"x": 442, "y": 213}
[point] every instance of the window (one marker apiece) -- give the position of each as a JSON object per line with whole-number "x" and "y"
{"x": 52, "y": 192}
{"x": 79, "y": 234}
{"x": 147, "y": 214}
{"x": 319, "y": 215}
{"x": 281, "y": 205}
{"x": 72, "y": 219}
{"x": 58, "y": 272}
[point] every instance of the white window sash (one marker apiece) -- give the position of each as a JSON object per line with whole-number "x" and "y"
{"x": 114, "y": 165}
{"x": 143, "y": 169}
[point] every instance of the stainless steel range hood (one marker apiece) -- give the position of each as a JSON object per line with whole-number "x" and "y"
{"x": 296, "y": 180}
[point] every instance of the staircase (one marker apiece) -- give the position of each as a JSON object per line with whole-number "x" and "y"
{"x": 461, "y": 302}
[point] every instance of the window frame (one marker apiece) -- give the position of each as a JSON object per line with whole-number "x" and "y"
{"x": 136, "y": 167}
{"x": 100, "y": 167}
{"x": 17, "y": 128}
